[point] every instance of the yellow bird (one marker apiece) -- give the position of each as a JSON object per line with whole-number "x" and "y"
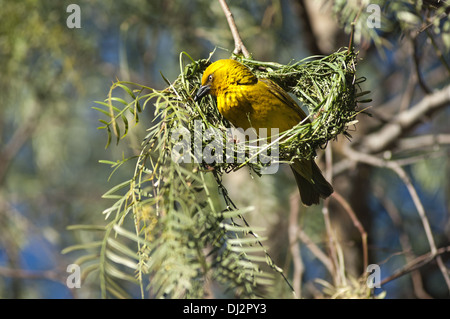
{"x": 246, "y": 101}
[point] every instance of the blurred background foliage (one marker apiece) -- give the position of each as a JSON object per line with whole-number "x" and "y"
{"x": 50, "y": 175}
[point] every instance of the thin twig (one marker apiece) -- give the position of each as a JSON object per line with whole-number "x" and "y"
{"x": 404, "y": 239}
{"x": 422, "y": 141}
{"x": 239, "y": 46}
{"x": 293, "y": 243}
{"x": 416, "y": 60}
{"x": 20, "y": 136}
{"x": 378, "y": 162}
{"x": 326, "y": 216}
{"x": 31, "y": 274}
{"x": 352, "y": 33}
{"x": 341, "y": 200}
{"x": 416, "y": 264}
{"x": 407, "y": 95}
{"x": 438, "y": 50}
{"x": 406, "y": 120}
{"x": 316, "y": 251}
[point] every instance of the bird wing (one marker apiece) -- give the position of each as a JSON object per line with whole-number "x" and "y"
{"x": 283, "y": 96}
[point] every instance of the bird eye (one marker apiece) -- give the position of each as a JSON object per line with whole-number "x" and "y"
{"x": 210, "y": 77}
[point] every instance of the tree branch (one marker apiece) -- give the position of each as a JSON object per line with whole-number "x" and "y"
{"x": 388, "y": 135}
{"x": 294, "y": 246}
{"x": 30, "y": 274}
{"x": 239, "y": 46}
{"x": 416, "y": 264}
{"x": 404, "y": 240}
{"x": 378, "y": 162}
{"x": 416, "y": 60}
{"x": 17, "y": 140}
{"x": 341, "y": 200}
{"x": 316, "y": 251}
{"x": 424, "y": 141}
{"x": 327, "y": 220}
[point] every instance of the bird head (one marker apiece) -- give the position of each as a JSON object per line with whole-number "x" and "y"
{"x": 222, "y": 74}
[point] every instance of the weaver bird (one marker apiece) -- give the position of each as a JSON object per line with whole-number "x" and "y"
{"x": 246, "y": 101}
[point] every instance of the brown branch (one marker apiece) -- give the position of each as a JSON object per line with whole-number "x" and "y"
{"x": 30, "y": 274}
{"x": 327, "y": 220}
{"x": 408, "y": 94}
{"x": 316, "y": 251}
{"x": 341, "y": 200}
{"x": 239, "y": 46}
{"x": 17, "y": 140}
{"x": 416, "y": 60}
{"x": 293, "y": 244}
{"x": 378, "y": 162}
{"x": 404, "y": 121}
{"x": 416, "y": 264}
{"x": 404, "y": 240}
{"x": 437, "y": 50}
{"x": 422, "y": 141}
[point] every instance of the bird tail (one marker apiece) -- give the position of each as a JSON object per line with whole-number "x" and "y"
{"x": 310, "y": 181}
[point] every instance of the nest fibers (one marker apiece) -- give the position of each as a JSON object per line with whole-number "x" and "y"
{"x": 326, "y": 86}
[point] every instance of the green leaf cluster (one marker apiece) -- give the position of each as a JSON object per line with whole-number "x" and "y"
{"x": 407, "y": 17}
{"x": 184, "y": 237}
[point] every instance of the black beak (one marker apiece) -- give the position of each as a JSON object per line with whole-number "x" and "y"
{"x": 202, "y": 91}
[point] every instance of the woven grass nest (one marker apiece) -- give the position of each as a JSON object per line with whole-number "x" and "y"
{"x": 326, "y": 86}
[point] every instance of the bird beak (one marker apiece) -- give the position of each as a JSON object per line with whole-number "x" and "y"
{"x": 202, "y": 91}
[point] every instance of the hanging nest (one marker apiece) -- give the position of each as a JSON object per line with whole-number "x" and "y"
{"x": 326, "y": 86}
